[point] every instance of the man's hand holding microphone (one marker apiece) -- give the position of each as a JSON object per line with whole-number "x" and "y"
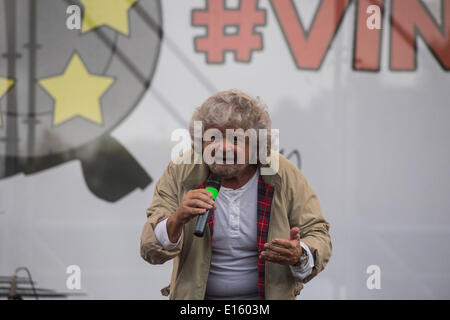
{"x": 194, "y": 203}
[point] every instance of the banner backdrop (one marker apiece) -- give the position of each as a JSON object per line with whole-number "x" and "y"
{"x": 91, "y": 91}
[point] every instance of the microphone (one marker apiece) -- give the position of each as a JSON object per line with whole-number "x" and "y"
{"x": 213, "y": 186}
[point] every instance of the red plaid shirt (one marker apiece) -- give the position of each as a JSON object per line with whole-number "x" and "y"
{"x": 265, "y": 196}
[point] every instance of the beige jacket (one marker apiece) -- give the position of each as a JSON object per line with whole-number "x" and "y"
{"x": 294, "y": 204}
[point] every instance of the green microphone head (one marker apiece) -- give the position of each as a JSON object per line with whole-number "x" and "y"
{"x": 213, "y": 184}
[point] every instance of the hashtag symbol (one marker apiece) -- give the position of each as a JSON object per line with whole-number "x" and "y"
{"x": 216, "y": 18}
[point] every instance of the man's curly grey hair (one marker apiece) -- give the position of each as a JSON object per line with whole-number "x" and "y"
{"x": 233, "y": 109}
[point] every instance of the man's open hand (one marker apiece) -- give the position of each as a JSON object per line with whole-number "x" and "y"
{"x": 283, "y": 251}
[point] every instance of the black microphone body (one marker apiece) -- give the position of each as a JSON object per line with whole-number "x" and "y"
{"x": 213, "y": 186}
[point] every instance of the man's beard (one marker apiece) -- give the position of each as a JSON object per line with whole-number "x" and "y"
{"x": 227, "y": 171}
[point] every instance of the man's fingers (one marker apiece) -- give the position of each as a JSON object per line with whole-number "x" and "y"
{"x": 277, "y": 249}
{"x": 274, "y": 257}
{"x": 202, "y": 196}
{"x": 195, "y": 203}
{"x": 196, "y": 211}
{"x": 294, "y": 234}
{"x": 285, "y": 243}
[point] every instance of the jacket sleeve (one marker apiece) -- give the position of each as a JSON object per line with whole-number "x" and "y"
{"x": 164, "y": 203}
{"x": 314, "y": 229}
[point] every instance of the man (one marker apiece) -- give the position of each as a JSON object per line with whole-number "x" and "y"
{"x": 266, "y": 236}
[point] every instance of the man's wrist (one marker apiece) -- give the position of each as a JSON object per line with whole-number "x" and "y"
{"x": 173, "y": 220}
{"x": 174, "y": 228}
{"x": 303, "y": 259}
{"x": 301, "y": 271}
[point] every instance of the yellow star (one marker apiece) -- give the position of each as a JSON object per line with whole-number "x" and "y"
{"x": 76, "y": 92}
{"x": 113, "y": 13}
{"x": 5, "y": 84}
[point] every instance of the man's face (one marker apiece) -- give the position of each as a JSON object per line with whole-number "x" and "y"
{"x": 235, "y": 148}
